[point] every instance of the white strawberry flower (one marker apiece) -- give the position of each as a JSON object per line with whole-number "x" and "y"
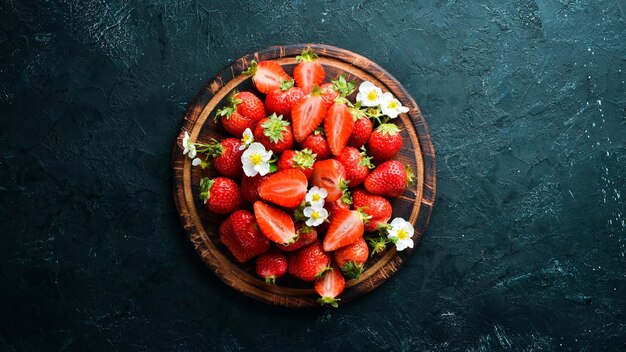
{"x": 316, "y": 214}
{"x": 246, "y": 139}
{"x": 391, "y": 106}
{"x": 196, "y": 162}
{"x": 255, "y": 160}
{"x": 316, "y": 195}
{"x": 369, "y": 95}
{"x": 400, "y": 233}
{"x": 188, "y": 147}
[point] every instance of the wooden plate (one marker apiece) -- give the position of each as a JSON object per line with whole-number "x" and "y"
{"x": 201, "y": 226}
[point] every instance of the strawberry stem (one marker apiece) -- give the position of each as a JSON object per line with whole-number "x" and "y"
{"x": 352, "y": 269}
{"x": 307, "y": 55}
{"x": 270, "y": 280}
{"x": 251, "y": 71}
{"x": 331, "y": 301}
{"x": 205, "y": 189}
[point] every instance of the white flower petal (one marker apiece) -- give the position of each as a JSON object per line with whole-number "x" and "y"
{"x": 249, "y": 170}
{"x": 196, "y": 162}
{"x": 366, "y": 86}
{"x": 192, "y": 151}
{"x": 263, "y": 169}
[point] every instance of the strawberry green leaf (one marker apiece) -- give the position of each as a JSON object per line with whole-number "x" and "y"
{"x": 205, "y": 189}
{"x": 307, "y": 55}
{"x": 251, "y": 70}
{"x": 304, "y": 159}
{"x": 274, "y": 128}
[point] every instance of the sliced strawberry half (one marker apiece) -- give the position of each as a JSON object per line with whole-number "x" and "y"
{"x": 338, "y": 127}
{"x": 274, "y": 223}
{"x": 266, "y": 75}
{"x": 345, "y": 228}
{"x": 330, "y": 286}
{"x": 308, "y": 73}
{"x": 331, "y": 175}
{"x": 308, "y": 114}
{"x": 286, "y": 188}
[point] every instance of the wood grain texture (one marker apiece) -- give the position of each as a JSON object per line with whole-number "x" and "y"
{"x": 200, "y": 225}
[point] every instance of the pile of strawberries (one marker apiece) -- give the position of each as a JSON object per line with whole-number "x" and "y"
{"x": 297, "y": 180}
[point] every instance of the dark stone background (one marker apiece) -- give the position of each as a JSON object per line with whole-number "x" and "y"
{"x": 526, "y": 104}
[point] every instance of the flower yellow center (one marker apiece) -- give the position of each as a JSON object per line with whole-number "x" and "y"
{"x": 246, "y": 139}
{"x": 403, "y": 234}
{"x": 315, "y": 215}
{"x": 372, "y": 95}
{"x": 316, "y": 197}
{"x": 393, "y": 105}
{"x": 256, "y": 159}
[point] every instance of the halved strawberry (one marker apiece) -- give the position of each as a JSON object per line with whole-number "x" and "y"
{"x": 308, "y": 73}
{"x": 286, "y": 188}
{"x": 346, "y": 228}
{"x": 331, "y": 175}
{"x": 330, "y": 286}
{"x": 338, "y": 127}
{"x": 306, "y": 235}
{"x": 274, "y": 223}
{"x": 307, "y": 114}
{"x": 266, "y": 75}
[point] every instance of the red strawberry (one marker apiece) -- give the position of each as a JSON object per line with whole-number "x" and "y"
{"x": 384, "y": 142}
{"x": 227, "y": 157}
{"x": 221, "y": 195}
{"x": 345, "y": 228}
{"x": 250, "y": 187}
{"x": 286, "y": 188}
{"x": 247, "y": 232}
{"x": 375, "y": 206}
{"x": 388, "y": 179}
{"x": 266, "y": 75}
{"x": 329, "y": 94}
{"x": 357, "y": 165}
{"x": 336, "y": 207}
{"x": 274, "y": 223}
{"x": 352, "y": 258}
{"x": 249, "y": 105}
{"x": 361, "y": 132}
{"x": 338, "y": 126}
{"x": 306, "y": 235}
{"x": 308, "y": 263}
{"x": 271, "y": 265}
{"x": 308, "y": 73}
{"x": 281, "y": 101}
{"x": 330, "y": 286}
{"x": 233, "y": 122}
{"x": 300, "y": 160}
{"x": 331, "y": 175}
{"x": 229, "y": 239}
{"x": 316, "y": 142}
{"x": 274, "y": 133}
{"x": 308, "y": 113}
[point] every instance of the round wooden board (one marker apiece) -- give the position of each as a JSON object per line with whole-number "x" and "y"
{"x": 201, "y": 226}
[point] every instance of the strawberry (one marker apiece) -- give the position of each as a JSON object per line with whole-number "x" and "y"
{"x": 357, "y": 165}
{"x": 331, "y": 175}
{"x": 266, "y": 75}
{"x": 286, "y": 188}
{"x": 352, "y": 258}
{"x": 250, "y": 187}
{"x": 345, "y": 228}
{"x": 375, "y": 206}
{"x": 221, "y": 195}
{"x": 281, "y": 101}
{"x": 337, "y": 88}
{"x": 271, "y": 265}
{"x": 227, "y": 157}
{"x": 247, "y": 232}
{"x": 316, "y": 142}
{"x": 330, "y": 286}
{"x": 384, "y": 142}
{"x": 300, "y": 160}
{"x": 388, "y": 179}
{"x": 274, "y": 133}
{"x": 308, "y": 73}
{"x": 336, "y": 207}
{"x": 229, "y": 239}
{"x": 233, "y": 122}
{"x": 306, "y": 235}
{"x": 329, "y": 94}
{"x": 308, "y": 113}
{"x": 249, "y": 105}
{"x": 338, "y": 126}
{"x": 308, "y": 263}
{"x": 274, "y": 223}
{"x": 361, "y": 132}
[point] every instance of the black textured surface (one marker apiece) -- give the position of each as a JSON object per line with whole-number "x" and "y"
{"x": 526, "y": 104}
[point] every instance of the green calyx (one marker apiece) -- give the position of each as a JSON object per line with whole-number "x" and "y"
{"x": 409, "y": 176}
{"x": 307, "y": 55}
{"x": 229, "y": 109}
{"x": 270, "y": 280}
{"x": 298, "y": 213}
{"x": 319, "y": 130}
{"x": 331, "y": 301}
{"x": 251, "y": 71}
{"x": 213, "y": 149}
{"x": 366, "y": 160}
{"x": 286, "y": 85}
{"x": 356, "y": 111}
{"x": 352, "y": 269}
{"x": 274, "y": 128}
{"x": 342, "y": 85}
{"x": 377, "y": 244}
{"x": 388, "y": 129}
{"x": 304, "y": 159}
{"x": 324, "y": 269}
{"x": 316, "y": 91}
{"x": 205, "y": 189}
{"x": 346, "y": 196}
{"x": 364, "y": 216}
{"x": 305, "y": 229}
